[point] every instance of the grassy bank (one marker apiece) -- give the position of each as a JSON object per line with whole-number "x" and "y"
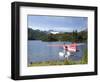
{"x": 84, "y": 60}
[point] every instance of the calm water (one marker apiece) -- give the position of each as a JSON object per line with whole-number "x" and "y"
{"x": 39, "y": 51}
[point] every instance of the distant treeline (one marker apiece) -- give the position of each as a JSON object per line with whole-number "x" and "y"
{"x": 65, "y": 36}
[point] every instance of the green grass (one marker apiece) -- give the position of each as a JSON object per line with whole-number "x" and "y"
{"x": 84, "y": 60}
{"x": 85, "y": 57}
{"x": 48, "y": 63}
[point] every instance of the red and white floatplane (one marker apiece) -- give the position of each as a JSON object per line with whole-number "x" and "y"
{"x": 68, "y": 49}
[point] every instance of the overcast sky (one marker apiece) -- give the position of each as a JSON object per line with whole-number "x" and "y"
{"x": 57, "y": 23}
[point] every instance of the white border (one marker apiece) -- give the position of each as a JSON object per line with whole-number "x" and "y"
{"x": 24, "y": 70}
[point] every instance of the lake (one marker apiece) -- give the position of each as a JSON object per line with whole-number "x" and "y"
{"x": 39, "y": 51}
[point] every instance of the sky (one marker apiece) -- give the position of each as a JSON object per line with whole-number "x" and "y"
{"x": 57, "y": 23}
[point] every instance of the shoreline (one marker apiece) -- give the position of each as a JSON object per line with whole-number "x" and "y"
{"x": 57, "y": 62}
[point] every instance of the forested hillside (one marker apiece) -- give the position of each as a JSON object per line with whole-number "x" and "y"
{"x": 65, "y": 36}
